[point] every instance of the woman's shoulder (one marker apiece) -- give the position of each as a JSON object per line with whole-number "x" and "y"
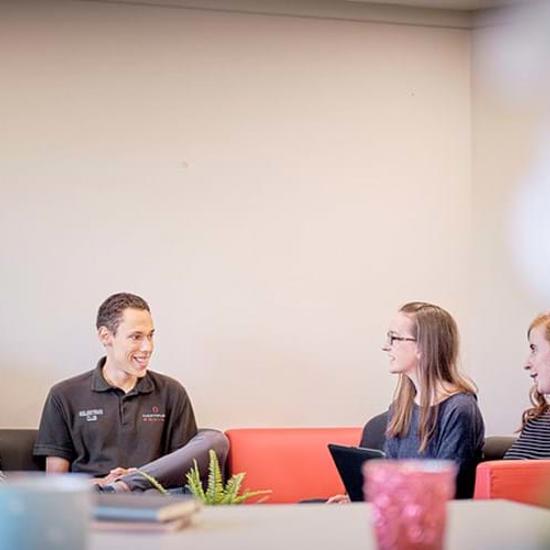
{"x": 533, "y": 441}
{"x": 459, "y": 398}
{"x": 541, "y": 421}
{"x": 461, "y": 403}
{"x": 460, "y": 413}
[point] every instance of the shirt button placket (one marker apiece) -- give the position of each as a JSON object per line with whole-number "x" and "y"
{"x": 121, "y": 409}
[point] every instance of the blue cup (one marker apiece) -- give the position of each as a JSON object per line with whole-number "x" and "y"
{"x": 46, "y": 512}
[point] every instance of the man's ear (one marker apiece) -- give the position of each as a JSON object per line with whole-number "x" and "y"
{"x": 105, "y": 336}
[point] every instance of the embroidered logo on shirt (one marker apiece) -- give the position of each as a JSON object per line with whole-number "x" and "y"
{"x": 154, "y": 416}
{"x": 90, "y": 414}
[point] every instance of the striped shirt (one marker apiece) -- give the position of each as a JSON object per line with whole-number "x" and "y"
{"x": 533, "y": 442}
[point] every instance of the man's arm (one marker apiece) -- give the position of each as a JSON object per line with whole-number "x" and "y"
{"x": 54, "y": 439}
{"x": 182, "y": 426}
{"x": 57, "y": 465}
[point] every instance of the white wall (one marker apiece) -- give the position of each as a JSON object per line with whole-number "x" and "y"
{"x": 511, "y": 245}
{"x": 275, "y": 187}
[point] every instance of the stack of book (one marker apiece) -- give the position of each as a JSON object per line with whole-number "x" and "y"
{"x": 143, "y": 512}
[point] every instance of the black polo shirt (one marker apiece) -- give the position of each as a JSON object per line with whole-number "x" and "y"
{"x": 97, "y": 427}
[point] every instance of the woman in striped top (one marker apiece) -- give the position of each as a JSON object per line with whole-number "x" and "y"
{"x": 534, "y": 439}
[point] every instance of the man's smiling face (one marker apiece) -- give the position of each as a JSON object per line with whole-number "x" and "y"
{"x": 129, "y": 349}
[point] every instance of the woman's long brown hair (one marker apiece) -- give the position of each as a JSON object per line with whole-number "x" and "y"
{"x": 437, "y": 339}
{"x": 538, "y": 400}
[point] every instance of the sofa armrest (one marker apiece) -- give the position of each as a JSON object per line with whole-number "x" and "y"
{"x": 526, "y": 481}
{"x": 16, "y": 446}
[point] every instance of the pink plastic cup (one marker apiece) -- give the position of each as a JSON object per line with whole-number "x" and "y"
{"x": 409, "y": 501}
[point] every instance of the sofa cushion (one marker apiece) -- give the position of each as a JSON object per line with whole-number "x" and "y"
{"x": 293, "y": 462}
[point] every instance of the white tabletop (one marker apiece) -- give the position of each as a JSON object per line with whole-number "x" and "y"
{"x": 476, "y": 525}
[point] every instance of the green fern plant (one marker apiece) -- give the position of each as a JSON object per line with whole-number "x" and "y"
{"x": 216, "y": 493}
{"x": 153, "y": 481}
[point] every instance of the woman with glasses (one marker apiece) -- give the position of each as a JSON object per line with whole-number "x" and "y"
{"x": 534, "y": 439}
{"x": 434, "y": 413}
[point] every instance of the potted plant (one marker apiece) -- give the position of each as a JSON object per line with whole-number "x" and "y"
{"x": 217, "y": 492}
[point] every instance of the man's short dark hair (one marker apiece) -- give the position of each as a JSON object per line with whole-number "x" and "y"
{"x": 110, "y": 311}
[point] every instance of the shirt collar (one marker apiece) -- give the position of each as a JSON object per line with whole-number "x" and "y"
{"x": 143, "y": 385}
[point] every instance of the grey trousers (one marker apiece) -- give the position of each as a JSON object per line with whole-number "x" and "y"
{"x": 170, "y": 469}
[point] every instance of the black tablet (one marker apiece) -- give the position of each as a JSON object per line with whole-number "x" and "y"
{"x": 349, "y": 461}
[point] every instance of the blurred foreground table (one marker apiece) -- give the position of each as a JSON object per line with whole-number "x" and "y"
{"x": 476, "y": 525}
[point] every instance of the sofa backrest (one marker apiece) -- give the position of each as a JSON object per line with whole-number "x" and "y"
{"x": 495, "y": 446}
{"x": 293, "y": 462}
{"x": 16, "y": 450}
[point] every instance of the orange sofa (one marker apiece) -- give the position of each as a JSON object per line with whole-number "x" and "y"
{"x": 296, "y": 465}
{"x": 293, "y": 462}
{"x": 526, "y": 481}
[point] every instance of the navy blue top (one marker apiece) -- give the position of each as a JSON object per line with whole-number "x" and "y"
{"x": 458, "y": 436}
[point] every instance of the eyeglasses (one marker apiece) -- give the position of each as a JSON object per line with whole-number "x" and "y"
{"x": 391, "y": 338}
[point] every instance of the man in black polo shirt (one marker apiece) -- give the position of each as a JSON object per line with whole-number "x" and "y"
{"x": 120, "y": 416}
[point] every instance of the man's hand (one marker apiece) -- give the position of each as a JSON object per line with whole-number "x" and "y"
{"x": 339, "y": 499}
{"x": 113, "y": 475}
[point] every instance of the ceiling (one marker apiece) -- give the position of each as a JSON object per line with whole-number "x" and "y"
{"x": 346, "y": 6}
{"x": 459, "y": 14}
{"x": 468, "y": 5}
